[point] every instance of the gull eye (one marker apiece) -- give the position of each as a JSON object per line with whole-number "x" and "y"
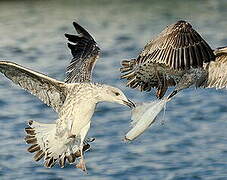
{"x": 117, "y": 93}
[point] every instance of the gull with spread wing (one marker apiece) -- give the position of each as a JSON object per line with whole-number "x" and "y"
{"x": 74, "y": 100}
{"x": 178, "y": 57}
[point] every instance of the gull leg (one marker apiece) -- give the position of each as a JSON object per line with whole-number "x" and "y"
{"x": 162, "y": 88}
{"x": 83, "y": 134}
{"x": 82, "y": 164}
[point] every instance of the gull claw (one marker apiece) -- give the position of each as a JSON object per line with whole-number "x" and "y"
{"x": 82, "y": 165}
{"x": 89, "y": 139}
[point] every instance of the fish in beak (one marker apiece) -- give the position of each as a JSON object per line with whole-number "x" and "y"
{"x": 129, "y": 103}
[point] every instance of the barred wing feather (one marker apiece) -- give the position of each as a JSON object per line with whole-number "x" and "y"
{"x": 85, "y": 52}
{"x": 49, "y": 90}
{"x": 179, "y": 46}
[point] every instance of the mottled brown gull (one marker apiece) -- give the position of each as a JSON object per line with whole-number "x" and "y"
{"x": 178, "y": 57}
{"x": 74, "y": 102}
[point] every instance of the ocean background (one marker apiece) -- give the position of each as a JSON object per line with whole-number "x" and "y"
{"x": 192, "y": 142}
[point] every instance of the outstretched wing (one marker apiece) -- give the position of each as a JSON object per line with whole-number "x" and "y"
{"x": 85, "y": 53}
{"x": 50, "y": 91}
{"x": 179, "y": 46}
{"x": 217, "y": 70}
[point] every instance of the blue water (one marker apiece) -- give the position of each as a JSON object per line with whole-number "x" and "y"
{"x": 192, "y": 143}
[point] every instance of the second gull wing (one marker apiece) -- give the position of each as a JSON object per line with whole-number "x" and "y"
{"x": 85, "y": 53}
{"x": 217, "y": 70}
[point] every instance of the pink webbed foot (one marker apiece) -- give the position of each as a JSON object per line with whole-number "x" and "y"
{"x": 82, "y": 165}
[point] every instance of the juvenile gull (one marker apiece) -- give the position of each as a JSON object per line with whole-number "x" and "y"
{"x": 74, "y": 102}
{"x": 178, "y": 57}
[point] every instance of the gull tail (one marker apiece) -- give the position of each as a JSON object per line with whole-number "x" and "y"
{"x": 128, "y": 72}
{"x": 127, "y": 67}
{"x": 131, "y": 71}
{"x": 45, "y": 144}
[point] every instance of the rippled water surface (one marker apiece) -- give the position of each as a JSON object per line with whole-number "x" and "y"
{"x": 192, "y": 143}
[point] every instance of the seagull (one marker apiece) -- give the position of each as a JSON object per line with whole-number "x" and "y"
{"x": 178, "y": 57}
{"x": 75, "y": 103}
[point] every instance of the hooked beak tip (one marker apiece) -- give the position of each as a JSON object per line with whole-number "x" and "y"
{"x": 130, "y": 104}
{"x": 172, "y": 94}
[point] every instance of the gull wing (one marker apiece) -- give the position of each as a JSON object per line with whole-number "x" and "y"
{"x": 49, "y": 90}
{"x": 147, "y": 76}
{"x": 85, "y": 52}
{"x": 217, "y": 70}
{"x": 178, "y": 46}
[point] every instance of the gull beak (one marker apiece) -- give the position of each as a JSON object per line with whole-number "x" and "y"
{"x": 129, "y": 103}
{"x": 172, "y": 94}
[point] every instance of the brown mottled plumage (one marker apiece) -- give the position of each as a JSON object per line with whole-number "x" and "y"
{"x": 179, "y": 57}
{"x": 178, "y": 46}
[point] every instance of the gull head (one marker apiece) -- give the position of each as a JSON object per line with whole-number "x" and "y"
{"x": 115, "y": 95}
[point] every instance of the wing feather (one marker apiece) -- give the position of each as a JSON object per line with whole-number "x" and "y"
{"x": 85, "y": 52}
{"x": 179, "y": 36}
{"x": 49, "y": 90}
{"x": 217, "y": 70}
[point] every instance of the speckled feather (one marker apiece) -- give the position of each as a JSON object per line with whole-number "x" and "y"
{"x": 217, "y": 70}
{"x": 49, "y": 90}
